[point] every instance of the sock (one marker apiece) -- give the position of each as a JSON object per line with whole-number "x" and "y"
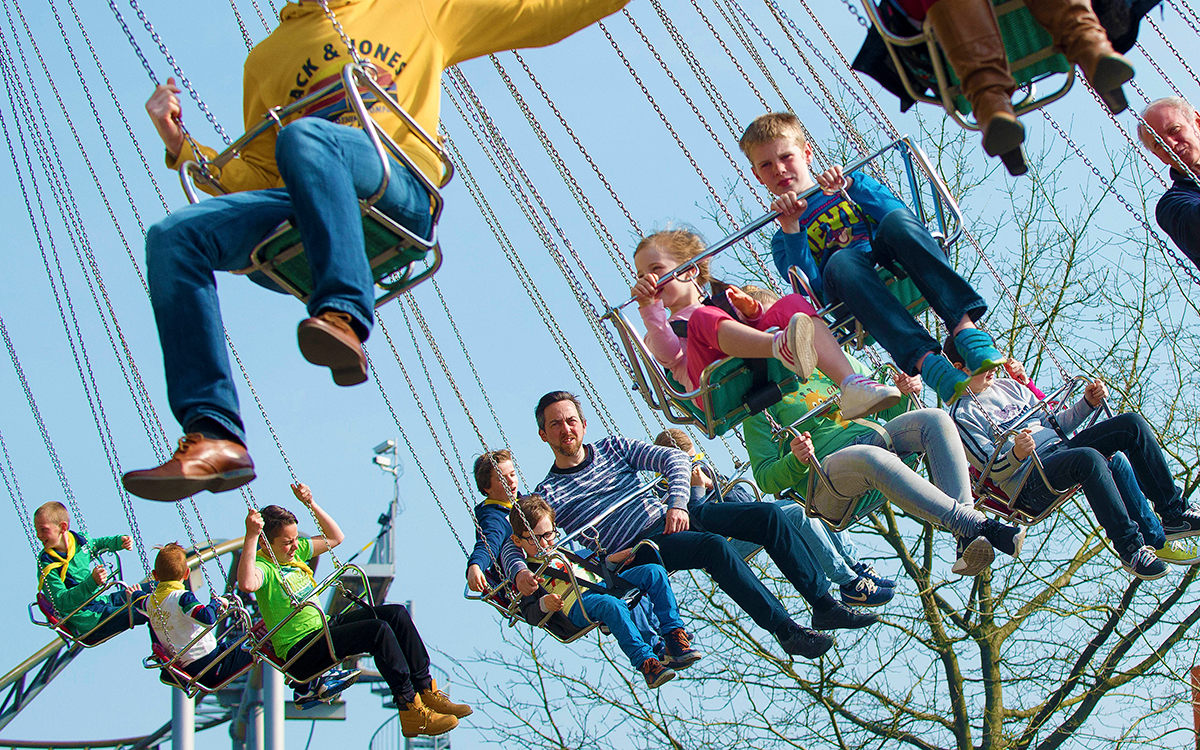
{"x": 780, "y": 350}
{"x": 213, "y": 430}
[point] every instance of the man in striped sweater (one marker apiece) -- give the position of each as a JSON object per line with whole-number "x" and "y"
{"x": 585, "y": 480}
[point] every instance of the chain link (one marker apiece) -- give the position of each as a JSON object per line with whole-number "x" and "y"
{"x": 341, "y": 32}
{"x": 1150, "y": 20}
{"x": 14, "y": 492}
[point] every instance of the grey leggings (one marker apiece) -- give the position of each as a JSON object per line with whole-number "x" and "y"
{"x": 868, "y": 464}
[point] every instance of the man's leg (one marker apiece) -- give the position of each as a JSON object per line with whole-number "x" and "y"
{"x": 694, "y": 550}
{"x": 766, "y": 524}
{"x": 327, "y": 168}
{"x": 1136, "y": 504}
{"x": 182, "y": 253}
{"x": 819, "y": 541}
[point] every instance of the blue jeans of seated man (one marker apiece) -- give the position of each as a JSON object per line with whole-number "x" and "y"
{"x": 326, "y": 168}
{"x": 1136, "y": 504}
{"x": 705, "y": 546}
{"x": 1084, "y": 460}
{"x": 652, "y": 581}
{"x": 900, "y": 240}
{"x": 832, "y": 549}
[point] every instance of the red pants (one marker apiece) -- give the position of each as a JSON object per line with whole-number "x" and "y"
{"x": 702, "y": 346}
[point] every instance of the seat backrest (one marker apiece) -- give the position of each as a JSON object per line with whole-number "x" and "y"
{"x": 732, "y": 389}
{"x": 47, "y": 608}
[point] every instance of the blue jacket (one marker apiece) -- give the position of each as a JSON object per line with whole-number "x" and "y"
{"x": 1178, "y": 214}
{"x": 830, "y": 223}
{"x": 494, "y": 529}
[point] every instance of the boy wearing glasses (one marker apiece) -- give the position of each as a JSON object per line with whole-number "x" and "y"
{"x": 534, "y": 534}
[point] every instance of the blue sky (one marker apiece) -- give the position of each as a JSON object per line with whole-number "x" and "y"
{"x": 327, "y": 432}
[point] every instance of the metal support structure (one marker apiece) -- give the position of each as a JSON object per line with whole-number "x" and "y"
{"x": 273, "y": 709}
{"x": 183, "y": 721}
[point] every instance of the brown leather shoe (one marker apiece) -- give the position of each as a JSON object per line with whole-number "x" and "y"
{"x": 200, "y": 463}
{"x": 329, "y": 341}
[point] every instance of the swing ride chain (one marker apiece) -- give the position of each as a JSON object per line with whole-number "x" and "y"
{"x": 1134, "y": 145}
{"x": 337, "y": 26}
{"x": 611, "y": 246}
{"x": 853, "y": 10}
{"x": 403, "y": 434}
{"x": 261, "y": 408}
{"x": 1185, "y": 267}
{"x": 1184, "y": 16}
{"x": 14, "y": 492}
{"x": 1150, "y": 20}
{"x": 679, "y": 141}
{"x": 571, "y": 132}
{"x": 1161, "y": 73}
{"x": 242, "y": 25}
{"x": 539, "y": 303}
{"x": 728, "y": 53}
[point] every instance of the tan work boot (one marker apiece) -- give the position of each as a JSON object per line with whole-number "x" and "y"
{"x": 439, "y": 702}
{"x": 416, "y": 719}
{"x": 1077, "y": 33}
{"x": 970, "y": 38}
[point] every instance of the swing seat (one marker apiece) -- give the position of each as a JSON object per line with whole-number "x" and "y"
{"x": 51, "y": 619}
{"x": 399, "y": 258}
{"x": 394, "y": 255}
{"x": 854, "y": 509}
{"x": 172, "y": 674}
{"x": 844, "y": 327}
{"x": 919, "y": 62}
{"x": 989, "y": 498}
{"x": 733, "y": 390}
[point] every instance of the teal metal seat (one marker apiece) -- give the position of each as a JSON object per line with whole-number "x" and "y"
{"x": 399, "y": 258}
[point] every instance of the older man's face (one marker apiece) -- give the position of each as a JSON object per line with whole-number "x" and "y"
{"x": 1180, "y": 133}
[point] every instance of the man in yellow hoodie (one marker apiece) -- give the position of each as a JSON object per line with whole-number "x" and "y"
{"x": 313, "y": 171}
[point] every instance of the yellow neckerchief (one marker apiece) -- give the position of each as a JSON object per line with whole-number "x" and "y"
{"x": 163, "y": 590}
{"x": 297, "y": 564}
{"x": 506, "y": 503}
{"x": 60, "y": 563}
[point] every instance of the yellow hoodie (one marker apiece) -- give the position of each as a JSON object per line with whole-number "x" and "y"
{"x": 410, "y": 42}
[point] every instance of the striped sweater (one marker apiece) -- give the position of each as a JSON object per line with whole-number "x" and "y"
{"x": 610, "y": 472}
{"x": 1002, "y": 404}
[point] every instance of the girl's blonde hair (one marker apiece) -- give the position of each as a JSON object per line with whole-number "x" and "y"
{"x": 682, "y": 245}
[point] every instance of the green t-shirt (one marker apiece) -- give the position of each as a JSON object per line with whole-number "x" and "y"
{"x": 275, "y": 604}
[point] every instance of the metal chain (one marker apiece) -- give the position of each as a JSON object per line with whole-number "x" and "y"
{"x": 578, "y": 144}
{"x": 1133, "y": 144}
{"x": 341, "y": 32}
{"x": 729, "y": 53}
{"x": 1150, "y": 20}
{"x": 1154, "y": 64}
{"x": 1158, "y": 139}
{"x": 1187, "y": 17}
{"x": 242, "y": 25}
{"x": 1187, "y": 268}
{"x": 853, "y": 9}
{"x": 14, "y": 492}
{"x": 611, "y": 246}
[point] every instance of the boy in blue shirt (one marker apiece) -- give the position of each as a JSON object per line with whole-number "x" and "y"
{"x": 496, "y": 478}
{"x": 868, "y": 224}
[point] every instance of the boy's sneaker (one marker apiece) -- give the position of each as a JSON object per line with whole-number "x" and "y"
{"x": 973, "y": 556}
{"x": 655, "y": 673}
{"x": 1004, "y": 537}
{"x": 325, "y": 688}
{"x": 1144, "y": 564}
{"x": 978, "y": 351}
{"x": 1180, "y": 552}
{"x": 867, "y": 571}
{"x": 946, "y": 381}
{"x": 793, "y": 346}
{"x": 863, "y": 592}
{"x": 308, "y": 695}
{"x": 862, "y": 396}
{"x": 680, "y": 654}
{"x": 1182, "y": 526}
{"x": 840, "y": 617}
{"x": 799, "y": 641}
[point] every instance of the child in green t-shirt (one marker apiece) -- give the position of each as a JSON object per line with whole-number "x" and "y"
{"x": 275, "y": 569}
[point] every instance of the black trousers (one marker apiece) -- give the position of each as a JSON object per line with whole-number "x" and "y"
{"x": 386, "y": 633}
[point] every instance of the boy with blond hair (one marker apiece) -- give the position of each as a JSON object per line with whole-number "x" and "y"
{"x": 534, "y": 533}
{"x": 839, "y": 235}
{"x": 69, "y": 575}
{"x": 177, "y": 619}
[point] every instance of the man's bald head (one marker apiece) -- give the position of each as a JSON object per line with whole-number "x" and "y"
{"x": 1175, "y": 122}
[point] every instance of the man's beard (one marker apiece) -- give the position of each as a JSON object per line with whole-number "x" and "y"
{"x": 566, "y": 453}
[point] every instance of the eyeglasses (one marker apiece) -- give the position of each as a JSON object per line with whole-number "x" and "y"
{"x": 547, "y": 538}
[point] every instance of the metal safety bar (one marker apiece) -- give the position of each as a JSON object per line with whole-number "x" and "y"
{"x": 59, "y": 625}
{"x": 191, "y": 684}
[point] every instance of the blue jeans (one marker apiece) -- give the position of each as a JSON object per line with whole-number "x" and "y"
{"x": 1084, "y": 460}
{"x": 900, "y": 241}
{"x": 1136, "y": 504}
{"x": 832, "y": 549}
{"x": 705, "y": 546}
{"x": 652, "y": 581}
{"x": 326, "y": 168}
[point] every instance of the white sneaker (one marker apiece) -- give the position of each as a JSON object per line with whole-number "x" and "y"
{"x": 793, "y": 346}
{"x": 862, "y": 396}
{"x": 973, "y": 557}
